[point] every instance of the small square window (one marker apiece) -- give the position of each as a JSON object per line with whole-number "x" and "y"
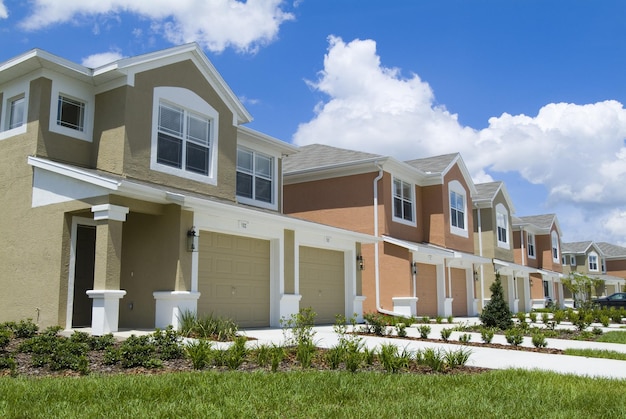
{"x": 71, "y": 113}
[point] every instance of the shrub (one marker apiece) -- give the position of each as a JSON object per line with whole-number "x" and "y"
{"x": 425, "y": 319}
{"x": 424, "y": 331}
{"x": 457, "y": 358}
{"x": 445, "y": 334}
{"x": 604, "y": 319}
{"x": 545, "y": 318}
{"x": 199, "y": 352}
{"x": 25, "y": 328}
{"x": 263, "y": 355}
{"x": 138, "y": 351}
{"x": 236, "y": 354}
{"x": 377, "y": 323}
{"x": 433, "y": 358}
{"x": 390, "y": 359}
{"x": 465, "y": 338}
{"x": 486, "y": 334}
{"x": 533, "y": 317}
{"x": 539, "y": 340}
{"x": 514, "y": 336}
{"x": 401, "y": 329}
{"x": 450, "y": 319}
{"x": 497, "y": 313}
{"x": 521, "y": 317}
{"x": 277, "y": 354}
{"x": 439, "y": 319}
{"x": 334, "y": 356}
{"x": 167, "y": 343}
{"x": 299, "y": 327}
{"x": 209, "y": 326}
{"x": 558, "y": 316}
{"x": 5, "y": 338}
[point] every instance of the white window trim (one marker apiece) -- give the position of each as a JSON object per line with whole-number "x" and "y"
{"x": 589, "y": 256}
{"x": 62, "y": 86}
{"x": 501, "y": 210}
{"x": 455, "y": 186}
{"x": 530, "y": 239}
{"x": 274, "y": 204}
{"x": 413, "y": 222}
{"x": 8, "y": 95}
{"x": 554, "y": 244}
{"x": 190, "y": 101}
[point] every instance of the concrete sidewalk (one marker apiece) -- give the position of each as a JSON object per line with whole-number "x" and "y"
{"x": 481, "y": 357}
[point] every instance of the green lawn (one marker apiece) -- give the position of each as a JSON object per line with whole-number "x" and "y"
{"x": 613, "y": 336}
{"x": 307, "y": 394}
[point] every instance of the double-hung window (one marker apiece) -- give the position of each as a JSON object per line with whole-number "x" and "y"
{"x": 403, "y": 201}
{"x": 555, "y": 247}
{"x": 531, "y": 244}
{"x": 593, "y": 262}
{"x": 71, "y": 113}
{"x": 17, "y": 112}
{"x": 255, "y": 176}
{"x": 184, "y": 140}
{"x": 457, "y": 210}
{"x": 502, "y": 221}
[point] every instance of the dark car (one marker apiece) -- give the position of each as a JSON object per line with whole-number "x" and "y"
{"x": 614, "y": 300}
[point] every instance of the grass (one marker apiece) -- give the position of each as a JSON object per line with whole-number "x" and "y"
{"x": 612, "y": 337}
{"x": 303, "y": 394}
{"x": 596, "y": 353}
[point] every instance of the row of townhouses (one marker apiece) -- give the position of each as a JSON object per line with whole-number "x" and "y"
{"x": 134, "y": 192}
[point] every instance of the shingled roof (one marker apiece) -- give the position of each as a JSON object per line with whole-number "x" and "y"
{"x": 436, "y": 164}
{"x": 316, "y": 156}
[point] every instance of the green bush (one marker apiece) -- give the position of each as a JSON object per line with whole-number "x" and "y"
{"x": 424, "y": 331}
{"x": 457, "y": 358}
{"x": 236, "y": 354}
{"x": 486, "y": 334}
{"x": 445, "y": 334}
{"x": 277, "y": 355}
{"x": 5, "y": 338}
{"x": 539, "y": 340}
{"x": 401, "y": 330}
{"x": 558, "y": 316}
{"x": 168, "y": 344}
{"x": 514, "y": 336}
{"x": 497, "y": 313}
{"x": 138, "y": 351}
{"x": 24, "y": 328}
{"x": 465, "y": 338}
{"x": 199, "y": 352}
{"x": 433, "y": 358}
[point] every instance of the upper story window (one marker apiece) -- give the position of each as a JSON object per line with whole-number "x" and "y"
{"x": 403, "y": 202}
{"x": 502, "y": 221}
{"x": 531, "y": 245}
{"x": 183, "y": 138}
{"x": 555, "y": 247}
{"x": 17, "y": 112}
{"x": 13, "y": 110}
{"x": 458, "y": 209}
{"x": 593, "y": 261}
{"x": 255, "y": 177}
{"x": 71, "y": 113}
{"x": 603, "y": 261}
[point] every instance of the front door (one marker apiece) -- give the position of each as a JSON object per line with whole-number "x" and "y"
{"x": 83, "y": 274}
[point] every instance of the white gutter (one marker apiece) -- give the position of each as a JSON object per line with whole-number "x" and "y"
{"x": 376, "y": 257}
{"x": 480, "y": 253}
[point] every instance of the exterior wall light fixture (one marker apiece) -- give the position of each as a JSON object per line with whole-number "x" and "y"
{"x": 192, "y": 240}
{"x": 414, "y": 268}
{"x": 359, "y": 263}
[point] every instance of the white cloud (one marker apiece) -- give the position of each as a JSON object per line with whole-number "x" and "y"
{"x": 97, "y": 60}
{"x": 215, "y": 24}
{"x": 575, "y": 151}
{"x": 3, "y": 10}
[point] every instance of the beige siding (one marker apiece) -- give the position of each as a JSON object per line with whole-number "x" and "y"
{"x": 234, "y": 278}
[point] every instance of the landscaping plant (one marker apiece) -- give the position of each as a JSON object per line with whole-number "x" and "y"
{"x": 497, "y": 313}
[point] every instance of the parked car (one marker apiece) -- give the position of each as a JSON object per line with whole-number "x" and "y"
{"x": 614, "y": 300}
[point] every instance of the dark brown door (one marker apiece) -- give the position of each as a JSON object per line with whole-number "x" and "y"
{"x": 83, "y": 274}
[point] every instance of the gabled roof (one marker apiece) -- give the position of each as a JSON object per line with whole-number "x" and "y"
{"x": 439, "y": 166}
{"x": 487, "y": 192}
{"x": 612, "y": 251}
{"x": 436, "y": 164}
{"x": 577, "y": 247}
{"x": 124, "y": 69}
{"x": 320, "y": 156}
{"x": 541, "y": 223}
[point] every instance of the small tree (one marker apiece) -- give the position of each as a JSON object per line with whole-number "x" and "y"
{"x": 497, "y": 313}
{"x": 581, "y": 287}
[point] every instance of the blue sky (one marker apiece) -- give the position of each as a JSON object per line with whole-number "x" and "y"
{"x": 529, "y": 92}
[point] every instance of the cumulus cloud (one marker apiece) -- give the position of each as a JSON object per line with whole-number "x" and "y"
{"x": 575, "y": 151}
{"x": 3, "y": 10}
{"x": 214, "y": 24}
{"x": 96, "y": 60}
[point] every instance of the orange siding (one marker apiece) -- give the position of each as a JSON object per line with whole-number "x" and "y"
{"x": 459, "y": 292}
{"x": 427, "y": 290}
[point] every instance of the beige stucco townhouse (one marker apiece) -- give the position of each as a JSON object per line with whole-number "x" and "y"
{"x": 420, "y": 209}
{"x": 133, "y": 192}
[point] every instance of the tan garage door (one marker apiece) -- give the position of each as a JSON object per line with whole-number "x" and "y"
{"x": 234, "y": 278}
{"x": 426, "y": 285}
{"x": 459, "y": 292}
{"x": 322, "y": 283}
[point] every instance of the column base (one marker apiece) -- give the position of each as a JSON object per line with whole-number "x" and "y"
{"x": 105, "y": 312}
{"x": 171, "y": 305}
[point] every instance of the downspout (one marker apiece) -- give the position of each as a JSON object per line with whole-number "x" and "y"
{"x": 480, "y": 253}
{"x": 376, "y": 257}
